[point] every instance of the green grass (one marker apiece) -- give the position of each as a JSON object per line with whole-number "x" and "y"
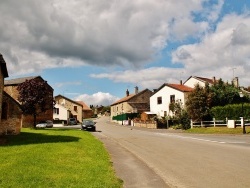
{"x": 55, "y": 158}
{"x": 217, "y": 130}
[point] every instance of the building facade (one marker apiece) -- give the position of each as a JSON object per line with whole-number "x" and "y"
{"x": 10, "y": 87}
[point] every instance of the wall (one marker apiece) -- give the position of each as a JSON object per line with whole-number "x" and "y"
{"x": 70, "y": 106}
{"x": 12, "y": 122}
{"x": 1, "y": 91}
{"x": 63, "y": 113}
{"x": 165, "y": 93}
{"x": 28, "y": 120}
{"x": 193, "y": 81}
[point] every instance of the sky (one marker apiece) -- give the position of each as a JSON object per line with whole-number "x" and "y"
{"x": 94, "y": 50}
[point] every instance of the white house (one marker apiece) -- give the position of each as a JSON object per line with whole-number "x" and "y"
{"x": 60, "y": 112}
{"x": 166, "y": 94}
{"x": 194, "y": 80}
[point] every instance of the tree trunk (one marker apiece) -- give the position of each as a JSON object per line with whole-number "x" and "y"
{"x": 34, "y": 115}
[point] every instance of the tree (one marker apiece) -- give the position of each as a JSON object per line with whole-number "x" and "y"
{"x": 34, "y": 96}
{"x": 198, "y": 103}
{"x": 224, "y": 94}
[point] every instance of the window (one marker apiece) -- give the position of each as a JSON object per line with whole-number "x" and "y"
{"x": 172, "y": 98}
{"x": 4, "y": 110}
{"x": 75, "y": 108}
{"x": 56, "y": 110}
{"x": 159, "y": 100}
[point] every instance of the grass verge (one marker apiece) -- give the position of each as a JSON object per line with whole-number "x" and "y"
{"x": 217, "y": 130}
{"x": 55, "y": 158}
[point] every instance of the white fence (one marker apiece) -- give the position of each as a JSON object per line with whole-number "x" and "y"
{"x": 220, "y": 123}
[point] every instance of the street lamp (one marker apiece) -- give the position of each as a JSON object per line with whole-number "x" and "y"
{"x": 242, "y": 112}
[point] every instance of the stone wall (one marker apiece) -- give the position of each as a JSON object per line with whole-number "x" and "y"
{"x": 12, "y": 118}
{"x": 145, "y": 124}
{"x": 28, "y": 120}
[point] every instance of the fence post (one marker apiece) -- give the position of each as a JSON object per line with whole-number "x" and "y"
{"x": 191, "y": 121}
{"x": 214, "y": 121}
{"x": 202, "y": 123}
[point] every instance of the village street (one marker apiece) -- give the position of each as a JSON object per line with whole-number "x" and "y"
{"x": 163, "y": 158}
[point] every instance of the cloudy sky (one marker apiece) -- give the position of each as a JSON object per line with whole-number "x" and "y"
{"x": 94, "y": 50}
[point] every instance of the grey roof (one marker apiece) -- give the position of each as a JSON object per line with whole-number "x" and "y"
{"x": 3, "y": 66}
{"x": 18, "y": 80}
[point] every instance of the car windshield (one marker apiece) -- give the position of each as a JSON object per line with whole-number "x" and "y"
{"x": 88, "y": 122}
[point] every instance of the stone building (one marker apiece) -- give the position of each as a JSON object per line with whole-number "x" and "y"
{"x": 135, "y": 103}
{"x": 10, "y": 87}
{"x": 10, "y": 110}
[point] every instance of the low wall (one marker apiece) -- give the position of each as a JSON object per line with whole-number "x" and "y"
{"x": 145, "y": 124}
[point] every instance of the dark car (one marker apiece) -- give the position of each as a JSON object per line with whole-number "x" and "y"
{"x": 72, "y": 121}
{"x": 88, "y": 125}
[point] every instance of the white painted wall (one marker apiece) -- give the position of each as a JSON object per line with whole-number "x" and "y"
{"x": 193, "y": 81}
{"x": 165, "y": 93}
{"x": 63, "y": 113}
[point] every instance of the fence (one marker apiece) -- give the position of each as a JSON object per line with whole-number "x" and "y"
{"x": 219, "y": 123}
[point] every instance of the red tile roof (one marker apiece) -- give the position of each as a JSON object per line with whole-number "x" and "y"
{"x": 84, "y": 106}
{"x": 180, "y": 87}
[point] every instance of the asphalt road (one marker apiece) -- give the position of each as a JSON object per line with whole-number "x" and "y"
{"x": 146, "y": 158}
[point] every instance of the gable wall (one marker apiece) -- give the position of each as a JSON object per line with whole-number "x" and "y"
{"x": 70, "y": 106}
{"x": 193, "y": 81}
{"x": 63, "y": 113}
{"x": 12, "y": 123}
{"x": 165, "y": 93}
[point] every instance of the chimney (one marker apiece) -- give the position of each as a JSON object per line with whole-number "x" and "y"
{"x": 236, "y": 82}
{"x": 180, "y": 82}
{"x": 127, "y": 93}
{"x": 214, "y": 79}
{"x": 136, "y": 90}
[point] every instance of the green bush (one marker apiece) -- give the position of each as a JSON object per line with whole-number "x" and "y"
{"x": 231, "y": 111}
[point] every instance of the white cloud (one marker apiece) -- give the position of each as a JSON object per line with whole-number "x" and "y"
{"x": 99, "y": 98}
{"x": 150, "y": 78}
{"x": 228, "y": 47}
{"x": 48, "y": 34}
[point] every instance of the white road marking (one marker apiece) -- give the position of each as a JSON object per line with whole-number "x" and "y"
{"x": 200, "y": 139}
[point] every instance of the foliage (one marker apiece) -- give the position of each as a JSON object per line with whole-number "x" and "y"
{"x": 198, "y": 103}
{"x": 55, "y": 158}
{"x": 231, "y": 111}
{"x": 224, "y": 94}
{"x": 34, "y": 96}
{"x": 201, "y": 100}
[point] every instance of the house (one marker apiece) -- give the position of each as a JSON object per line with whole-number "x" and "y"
{"x": 131, "y": 104}
{"x": 10, "y": 110}
{"x": 75, "y": 108}
{"x": 194, "y": 80}
{"x": 60, "y": 113}
{"x": 87, "y": 112}
{"x": 167, "y": 94}
{"x": 10, "y": 87}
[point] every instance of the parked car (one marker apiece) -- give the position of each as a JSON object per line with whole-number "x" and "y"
{"x": 72, "y": 121}
{"x": 88, "y": 125}
{"x": 45, "y": 124}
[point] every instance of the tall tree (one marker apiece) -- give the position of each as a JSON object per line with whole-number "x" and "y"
{"x": 198, "y": 103}
{"x": 34, "y": 96}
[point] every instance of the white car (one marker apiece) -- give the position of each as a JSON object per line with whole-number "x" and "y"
{"x": 45, "y": 124}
